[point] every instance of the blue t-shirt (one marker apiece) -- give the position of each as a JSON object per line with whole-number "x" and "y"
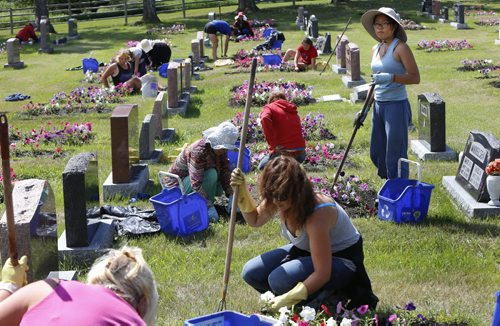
{"x": 222, "y": 27}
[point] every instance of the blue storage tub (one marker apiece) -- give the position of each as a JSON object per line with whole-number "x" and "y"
{"x": 180, "y": 214}
{"x": 404, "y": 200}
{"x": 90, "y": 64}
{"x": 233, "y": 159}
{"x": 267, "y": 32}
{"x": 272, "y": 59}
{"x": 277, "y": 45}
{"x": 163, "y": 70}
{"x": 229, "y": 318}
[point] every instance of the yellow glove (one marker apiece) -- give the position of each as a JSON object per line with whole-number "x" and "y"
{"x": 245, "y": 201}
{"x": 15, "y": 274}
{"x": 294, "y": 296}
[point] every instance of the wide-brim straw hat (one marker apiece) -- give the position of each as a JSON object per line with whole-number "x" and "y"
{"x": 224, "y": 136}
{"x": 369, "y": 16}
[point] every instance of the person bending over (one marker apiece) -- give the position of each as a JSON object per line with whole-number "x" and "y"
{"x": 121, "y": 72}
{"x": 203, "y": 166}
{"x": 282, "y": 128}
{"x": 304, "y": 57}
{"x": 158, "y": 52}
{"x": 393, "y": 67}
{"x": 27, "y": 32}
{"x": 120, "y": 290}
{"x": 325, "y": 250}
{"x": 222, "y": 27}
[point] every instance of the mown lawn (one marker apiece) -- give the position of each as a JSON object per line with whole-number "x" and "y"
{"x": 448, "y": 265}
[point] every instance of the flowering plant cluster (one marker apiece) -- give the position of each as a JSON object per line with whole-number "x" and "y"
{"x": 476, "y": 64}
{"x": 479, "y": 13}
{"x": 268, "y": 22}
{"x": 493, "y": 168}
{"x": 92, "y": 77}
{"x": 13, "y": 178}
{"x": 488, "y": 22}
{"x": 131, "y": 44}
{"x": 174, "y": 29}
{"x": 486, "y": 72}
{"x": 323, "y": 155}
{"x": 409, "y": 24}
{"x": 79, "y": 100}
{"x": 243, "y": 58}
{"x": 295, "y": 92}
{"x": 445, "y": 45}
{"x": 313, "y": 127}
{"x": 70, "y": 134}
{"x": 355, "y": 195}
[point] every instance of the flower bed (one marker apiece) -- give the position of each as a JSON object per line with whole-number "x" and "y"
{"x": 443, "y": 45}
{"x": 36, "y": 142}
{"x": 477, "y": 64}
{"x": 488, "y": 22}
{"x": 80, "y": 100}
{"x": 296, "y": 93}
{"x": 479, "y": 13}
{"x": 410, "y": 25}
{"x": 268, "y": 22}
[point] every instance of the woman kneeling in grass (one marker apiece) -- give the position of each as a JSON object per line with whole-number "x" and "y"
{"x": 325, "y": 250}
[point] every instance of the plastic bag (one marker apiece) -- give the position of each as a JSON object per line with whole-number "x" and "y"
{"x": 149, "y": 86}
{"x": 136, "y": 225}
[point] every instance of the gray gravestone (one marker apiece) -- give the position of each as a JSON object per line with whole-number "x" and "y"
{"x": 45, "y": 45}
{"x": 199, "y": 36}
{"x": 173, "y": 85}
{"x": 340, "y": 66}
{"x": 146, "y": 138}
{"x": 459, "y": 14}
{"x": 187, "y": 74}
{"x": 81, "y": 192}
{"x": 36, "y": 227}
{"x": 300, "y": 18}
{"x": 324, "y": 44}
{"x": 160, "y": 114}
{"x": 211, "y": 16}
{"x": 353, "y": 66}
{"x": 313, "y": 29}
{"x": 72, "y": 28}
{"x": 195, "y": 49}
{"x": 432, "y": 122}
{"x": 13, "y": 54}
{"x": 436, "y": 8}
{"x": 481, "y": 148}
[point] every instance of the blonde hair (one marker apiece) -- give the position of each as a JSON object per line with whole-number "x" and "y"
{"x": 123, "y": 53}
{"x": 125, "y": 272}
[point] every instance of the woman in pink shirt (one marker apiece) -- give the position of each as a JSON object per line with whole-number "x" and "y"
{"x": 120, "y": 290}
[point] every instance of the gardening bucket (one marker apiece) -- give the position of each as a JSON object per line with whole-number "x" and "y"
{"x": 90, "y": 64}
{"x": 233, "y": 159}
{"x": 404, "y": 200}
{"x": 149, "y": 86}
{"x": 163, "y": 70}
{"x": 272, "y": 59}
{"x": 231, "y": 318}
{"x": 276, "y": 44}
{"x": 178, "y": 213}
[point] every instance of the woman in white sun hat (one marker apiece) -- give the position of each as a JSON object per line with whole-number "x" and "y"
{"x": 203, "y": 166}
{"x": 393, "y": 67}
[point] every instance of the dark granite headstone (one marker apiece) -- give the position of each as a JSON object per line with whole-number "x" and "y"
{"x": 36, "y": 227}
{"x": 72, "y": 28}
{"x": 341, "y": 56}
{"x": 81, "y": 192}
{"x": 352, "y": 61}
{"x": 432, "y": 122}
{"x": 313, "y": 30}
{"x": 481, "y": 148}
{"x": 211, "y": 16}
{"x": 324, "y": 44}
{"x": 146, "y": 139}
{"x": 444, "y": 13}
{"x": 124, "y": 141}
{"x": 436, "y": 7}
{"x": 459, "y": 12}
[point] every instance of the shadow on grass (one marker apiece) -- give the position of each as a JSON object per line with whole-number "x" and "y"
{"x": 451, "y": 225}
{"x": 198, "y": 238}
{"x": 193, "y": 109}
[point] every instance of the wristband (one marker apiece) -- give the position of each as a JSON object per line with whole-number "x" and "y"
{"x": 7, "y": 286}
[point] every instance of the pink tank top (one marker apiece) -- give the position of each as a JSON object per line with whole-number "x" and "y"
{"x": 77, "y": 304}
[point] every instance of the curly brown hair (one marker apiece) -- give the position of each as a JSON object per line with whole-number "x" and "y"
{"x": 283, "y": 178}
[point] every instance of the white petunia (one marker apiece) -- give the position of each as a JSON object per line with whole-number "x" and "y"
{"x": 346, "y": 322}
{"x": 308, "y": 313}
{"x": 331, "y": 322}
{"x": 266, "y": 297}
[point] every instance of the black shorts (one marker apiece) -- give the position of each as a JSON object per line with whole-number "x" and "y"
{"x": 210, "y": 28}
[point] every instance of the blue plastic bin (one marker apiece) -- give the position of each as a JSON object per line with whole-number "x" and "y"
{"x": 233, "y": 159}
{"x": 163, "y": 70}
{"x": 404, "y": 200}
{"x": 276, "y": 44}
{"x": 90, "y": 64}
{"x": 271, "y": 59}
{"x": 267, "y": 32}
{"x": 180, "y": 214}
{"x": 227, "y": 318}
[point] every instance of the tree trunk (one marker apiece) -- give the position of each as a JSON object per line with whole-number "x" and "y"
{"x": 41, "y": 9}
{"x": 149, "y": 15}
{"x": 247, "y": 6}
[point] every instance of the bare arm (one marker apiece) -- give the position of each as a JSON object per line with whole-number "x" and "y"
{"x": 403, "y": 53}
{"x": 318, "y": 228}
{"x": 296, "y": 59}
{"x": 260, "y": 216}
{"x": 111, "y": 71}
{"x": 313, "y": 63}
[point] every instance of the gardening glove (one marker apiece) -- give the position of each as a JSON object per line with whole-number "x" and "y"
{"x": 359, "y": 119}
{"x": 246, "y": 202}
{"x": 15, "y": 274}
{"x": 294, "y": 296}
{"x": 382, "y": 78}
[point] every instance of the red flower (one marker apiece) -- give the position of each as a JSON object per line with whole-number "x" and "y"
{"x": 325, "y": 309}
{"x": 295, "y": 317}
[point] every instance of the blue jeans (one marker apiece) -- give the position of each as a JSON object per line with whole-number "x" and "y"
{"x": 266, "y": 273}
{"x": 389, "y": 137}
{"x": 300, "y": 158}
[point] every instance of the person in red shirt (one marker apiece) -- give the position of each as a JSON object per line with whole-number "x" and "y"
{"x": 282, "y": 129}
{"x": 26, "y": 33}
{"x": 304, "y": 57}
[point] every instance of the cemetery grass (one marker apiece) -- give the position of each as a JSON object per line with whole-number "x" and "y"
{"x": 448, "y": 265}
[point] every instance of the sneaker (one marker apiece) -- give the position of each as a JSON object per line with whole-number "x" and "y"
{"x": 213, "y": 216}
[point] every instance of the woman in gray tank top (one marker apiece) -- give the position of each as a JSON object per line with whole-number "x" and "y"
{"x": 325, "y": 250}
{"x": 393, "y": 67}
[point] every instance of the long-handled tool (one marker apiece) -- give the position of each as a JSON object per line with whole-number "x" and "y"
{"x": 336, "y": 44}
{"x": 232, "y": 220}
{"x": 7, "y": 187}
{"x": 221, "y": 45}
{"x": 357, "y": 124}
